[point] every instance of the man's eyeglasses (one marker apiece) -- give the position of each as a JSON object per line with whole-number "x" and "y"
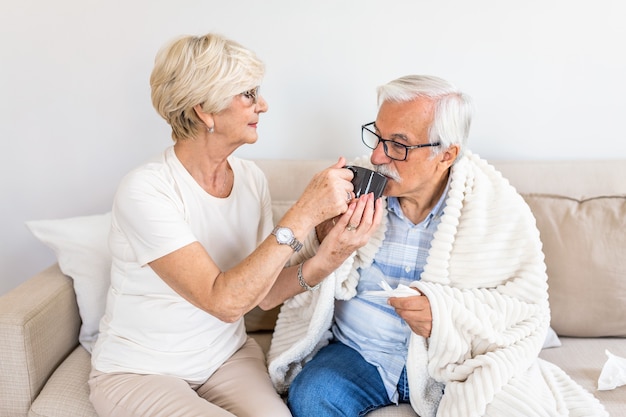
{"x": 393, "y": 149}
{"x": 251, "y": 95}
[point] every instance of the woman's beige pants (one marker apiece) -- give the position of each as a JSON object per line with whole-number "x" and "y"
{"x": 240, "y": 387}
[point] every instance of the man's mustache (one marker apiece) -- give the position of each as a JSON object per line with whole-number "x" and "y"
{"x": 388, "y": 172}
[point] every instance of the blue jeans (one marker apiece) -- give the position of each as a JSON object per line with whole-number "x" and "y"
{"x": 339, "y": 382}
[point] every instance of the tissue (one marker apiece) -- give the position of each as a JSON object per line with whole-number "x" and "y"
{"x": 400, "y": 291}
{"x": 613, "y": 372}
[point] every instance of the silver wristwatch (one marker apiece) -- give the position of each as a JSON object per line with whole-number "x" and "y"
{"x": 284, "y": 236}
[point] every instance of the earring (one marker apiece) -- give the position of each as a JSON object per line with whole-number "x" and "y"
{"x": 210, "y": 129}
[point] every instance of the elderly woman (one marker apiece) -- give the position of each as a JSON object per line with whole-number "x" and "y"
{"x": 194, "y": 247}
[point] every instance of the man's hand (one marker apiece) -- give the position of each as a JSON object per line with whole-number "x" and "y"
{"x": 415, "y": 311}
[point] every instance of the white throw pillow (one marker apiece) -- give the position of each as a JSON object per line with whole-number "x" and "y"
{"x": 82, "y": 251}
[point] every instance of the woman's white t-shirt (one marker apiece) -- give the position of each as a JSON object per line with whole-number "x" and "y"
{"x": 147, "y": 327}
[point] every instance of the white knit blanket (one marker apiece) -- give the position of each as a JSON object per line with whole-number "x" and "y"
{"x": 486, "y": 282}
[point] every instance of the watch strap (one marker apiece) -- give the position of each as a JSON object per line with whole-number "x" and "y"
{"x": 295, "y": 244}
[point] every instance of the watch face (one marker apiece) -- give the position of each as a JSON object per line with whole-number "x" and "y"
{"x": 284, "y": 235}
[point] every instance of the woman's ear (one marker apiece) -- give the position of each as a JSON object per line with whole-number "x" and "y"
{"x": 207, "y": 118}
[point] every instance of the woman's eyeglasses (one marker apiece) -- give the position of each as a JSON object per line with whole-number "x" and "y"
{"x": 251, "y": 95}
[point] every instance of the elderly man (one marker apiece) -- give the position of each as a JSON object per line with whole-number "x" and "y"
{"x": 446, "y": 306}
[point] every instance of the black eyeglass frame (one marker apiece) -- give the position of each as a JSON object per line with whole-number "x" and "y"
{"x": 385, "y": 141}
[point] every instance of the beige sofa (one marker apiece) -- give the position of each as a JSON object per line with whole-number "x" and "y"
{"x": 581, "y": 213}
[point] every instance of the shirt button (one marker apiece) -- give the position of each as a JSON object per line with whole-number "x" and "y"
{"x": 407, "y": 269}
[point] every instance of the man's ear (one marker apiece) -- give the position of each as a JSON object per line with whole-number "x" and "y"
{"x": 207, "y": 118}
{"x": 449, "y": 155}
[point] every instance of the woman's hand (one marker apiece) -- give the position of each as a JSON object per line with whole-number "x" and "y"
{"x": 327, "y": 195}
{"x": 326, "y": 198}
{"x": 342, "y": 236}
{"x": 348, "y": 232}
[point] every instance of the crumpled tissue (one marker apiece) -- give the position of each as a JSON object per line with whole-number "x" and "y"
{"x": 400, "y": 291}
{"x": 613, "y": 372}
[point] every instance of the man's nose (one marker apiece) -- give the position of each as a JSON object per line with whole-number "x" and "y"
{"x": 378, "y": 156}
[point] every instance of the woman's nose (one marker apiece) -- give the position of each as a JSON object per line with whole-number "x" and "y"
{"x": 261, "y": 105}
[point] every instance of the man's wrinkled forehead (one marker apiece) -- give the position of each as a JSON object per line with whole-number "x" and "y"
{"x": 405, "y": 121}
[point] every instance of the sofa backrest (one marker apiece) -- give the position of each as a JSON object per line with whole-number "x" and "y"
{"x": 576, "y": 179}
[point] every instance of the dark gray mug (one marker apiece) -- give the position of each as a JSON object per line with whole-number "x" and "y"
{"x": 367, "y": 181}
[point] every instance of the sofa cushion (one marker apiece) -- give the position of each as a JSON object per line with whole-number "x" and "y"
{"x": 66, "y": 394}
{"x": 584, "y": 242}
{"x": 583, "y": 360}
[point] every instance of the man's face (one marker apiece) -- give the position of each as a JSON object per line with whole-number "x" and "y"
{"x": 408, "y": 123}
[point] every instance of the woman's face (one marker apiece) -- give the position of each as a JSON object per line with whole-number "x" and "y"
{"x": 238, "y": 122}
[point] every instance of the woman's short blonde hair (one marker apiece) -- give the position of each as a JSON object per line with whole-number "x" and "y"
{"x": 208, "y": 70}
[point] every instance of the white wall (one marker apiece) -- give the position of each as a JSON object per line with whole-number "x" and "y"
{"x": 547, "y": 77}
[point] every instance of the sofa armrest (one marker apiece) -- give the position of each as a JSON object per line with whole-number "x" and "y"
{"x": 39, "y": 325}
